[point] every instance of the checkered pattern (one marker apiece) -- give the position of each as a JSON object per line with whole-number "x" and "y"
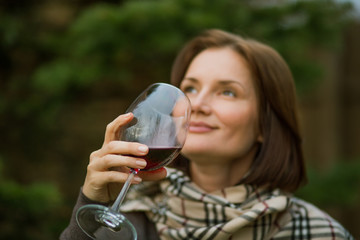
{"x": 181, "y": 210}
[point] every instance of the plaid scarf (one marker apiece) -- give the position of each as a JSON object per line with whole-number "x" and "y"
{"x": 181, "y": 210}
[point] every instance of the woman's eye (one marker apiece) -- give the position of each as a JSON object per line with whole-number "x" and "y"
{"x": 189, "y": 89}
{"x": 229, "y": 93}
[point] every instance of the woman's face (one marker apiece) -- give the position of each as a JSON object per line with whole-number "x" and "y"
{"x": 224, "y": 119}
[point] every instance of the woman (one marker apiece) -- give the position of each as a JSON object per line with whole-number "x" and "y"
{"x": 240, "y": 163}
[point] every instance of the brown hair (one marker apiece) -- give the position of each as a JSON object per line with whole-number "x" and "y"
{"x": 279, "y": 162}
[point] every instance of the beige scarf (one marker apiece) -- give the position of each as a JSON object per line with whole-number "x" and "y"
{"x": 181, "y": 210}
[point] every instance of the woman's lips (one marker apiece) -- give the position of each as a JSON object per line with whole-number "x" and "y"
{"x": 200, "y": 127}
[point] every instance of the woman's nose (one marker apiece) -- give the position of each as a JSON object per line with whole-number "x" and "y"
{"x": 201, "y": 103}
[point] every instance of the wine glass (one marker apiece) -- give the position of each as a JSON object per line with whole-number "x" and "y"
{"x": 161, "y": 119}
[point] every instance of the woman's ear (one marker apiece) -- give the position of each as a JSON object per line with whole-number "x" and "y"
{"x": 260, "y": 138}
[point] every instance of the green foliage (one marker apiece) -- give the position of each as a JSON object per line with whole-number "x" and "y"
{"x": 338, "y": 186}
{"x": 122, "y": 42}
{"x": 31, "y": 208}
{"x": 37, "y": 198}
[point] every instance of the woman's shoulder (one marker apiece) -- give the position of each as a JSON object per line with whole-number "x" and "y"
{"x": 310, "y": 222}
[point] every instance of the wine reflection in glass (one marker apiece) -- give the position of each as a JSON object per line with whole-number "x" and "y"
{"x": 161, "y": 119}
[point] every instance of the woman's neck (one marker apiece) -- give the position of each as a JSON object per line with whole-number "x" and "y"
{"x": 215, "y": 176}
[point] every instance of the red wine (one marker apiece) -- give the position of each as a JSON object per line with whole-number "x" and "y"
{"x": 159, "y": 157}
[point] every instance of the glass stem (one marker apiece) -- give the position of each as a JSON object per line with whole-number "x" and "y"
{"x": 120, "y": 198}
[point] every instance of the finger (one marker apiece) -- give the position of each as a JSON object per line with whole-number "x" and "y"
{"x": 107, "y": 177}
{"x": 114, "y": 161}
{"x": 124, "y": 148}
{"x": 112, "y": 129}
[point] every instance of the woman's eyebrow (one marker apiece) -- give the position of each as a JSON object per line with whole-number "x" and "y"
{"x": 191, "y": 79}
{"x": 230, "y": 82}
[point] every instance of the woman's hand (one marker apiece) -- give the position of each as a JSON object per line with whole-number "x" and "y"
{"x": 109, "y": 166}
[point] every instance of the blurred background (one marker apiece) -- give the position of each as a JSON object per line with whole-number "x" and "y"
{"x": 68, "y": 67}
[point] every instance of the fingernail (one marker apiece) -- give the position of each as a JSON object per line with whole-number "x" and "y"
{"x": 143, "y": 149}
{"x": 141, "y": 163}
{"x": 127, "y": 115}
{"x": 137, "y": 179}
